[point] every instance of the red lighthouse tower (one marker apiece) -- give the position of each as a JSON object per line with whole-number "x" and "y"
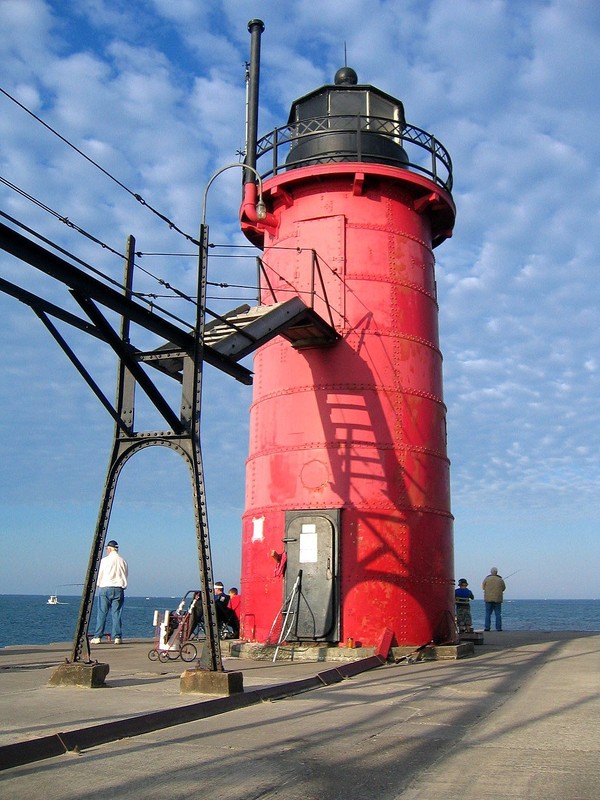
{"x": 347, "y": 493}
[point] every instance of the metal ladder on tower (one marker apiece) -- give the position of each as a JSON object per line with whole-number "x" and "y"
{"x": 285, "y": 617}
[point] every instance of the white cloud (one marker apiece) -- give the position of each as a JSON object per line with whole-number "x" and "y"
{"x": 154, "y": 92}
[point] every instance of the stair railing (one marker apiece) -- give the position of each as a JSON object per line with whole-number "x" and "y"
{"x": 315, "y": 273}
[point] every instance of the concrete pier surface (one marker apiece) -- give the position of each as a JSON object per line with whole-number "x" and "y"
{"x": 518, "y": 719}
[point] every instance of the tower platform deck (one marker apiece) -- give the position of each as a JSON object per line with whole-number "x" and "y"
{"x": 518, "y": 719}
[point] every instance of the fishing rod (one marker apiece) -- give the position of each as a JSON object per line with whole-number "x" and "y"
{"x": 512, "y": 573}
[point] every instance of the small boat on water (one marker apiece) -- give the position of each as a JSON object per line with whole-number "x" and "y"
{"x": 54, "y": 601}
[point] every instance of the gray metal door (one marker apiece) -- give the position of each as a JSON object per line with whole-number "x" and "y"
{"x": 311, "y": 540}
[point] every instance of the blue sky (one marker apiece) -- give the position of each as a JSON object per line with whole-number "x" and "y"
{"x": 154, "y": 92}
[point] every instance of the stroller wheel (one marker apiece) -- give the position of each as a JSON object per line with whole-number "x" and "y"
{"x": 163, "y": 656}
{"x": 188, "y": 652}
{"x": 153, "y": 655}
{"x": 226, "y": 632}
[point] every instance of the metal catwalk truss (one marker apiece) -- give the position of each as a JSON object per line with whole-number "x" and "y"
{"x": 222, "y": 342}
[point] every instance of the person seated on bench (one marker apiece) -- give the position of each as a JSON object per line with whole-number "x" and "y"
{"x": 221, "y": 603}
{"x": 234, "y": 608}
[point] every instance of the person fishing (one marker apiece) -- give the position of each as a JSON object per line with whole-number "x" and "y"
{"x": 112, "y": 582}
{"x": 493, "y": 594}
{"x": 462, "y": 598}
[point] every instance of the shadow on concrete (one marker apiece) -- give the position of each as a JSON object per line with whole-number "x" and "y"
{"x": 366, "y": 737}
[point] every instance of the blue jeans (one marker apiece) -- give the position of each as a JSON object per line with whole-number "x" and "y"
{"x": 110, "y": 598}
{"x": 497, "y": 609}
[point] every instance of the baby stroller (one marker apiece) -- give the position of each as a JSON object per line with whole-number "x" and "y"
{"x": 173, "y": 630}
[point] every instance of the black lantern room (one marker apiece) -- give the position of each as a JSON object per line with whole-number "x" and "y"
{"x": 346, "y": 122}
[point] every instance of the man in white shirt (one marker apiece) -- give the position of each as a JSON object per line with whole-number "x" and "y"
{"x": 112, "y": 582}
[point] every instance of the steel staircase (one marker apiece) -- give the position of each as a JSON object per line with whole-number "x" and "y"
{"x": 239, "y": 332}
{"x": 246, "y": 328}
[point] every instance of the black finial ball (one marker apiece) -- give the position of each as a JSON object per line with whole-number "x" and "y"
{"x": 346, "y": 76}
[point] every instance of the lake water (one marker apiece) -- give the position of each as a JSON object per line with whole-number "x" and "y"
{"x": 28, "y": 619}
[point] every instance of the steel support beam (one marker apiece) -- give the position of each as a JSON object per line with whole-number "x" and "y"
{"x": 184, "y": 438}
{"x": 24, "y": 249}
